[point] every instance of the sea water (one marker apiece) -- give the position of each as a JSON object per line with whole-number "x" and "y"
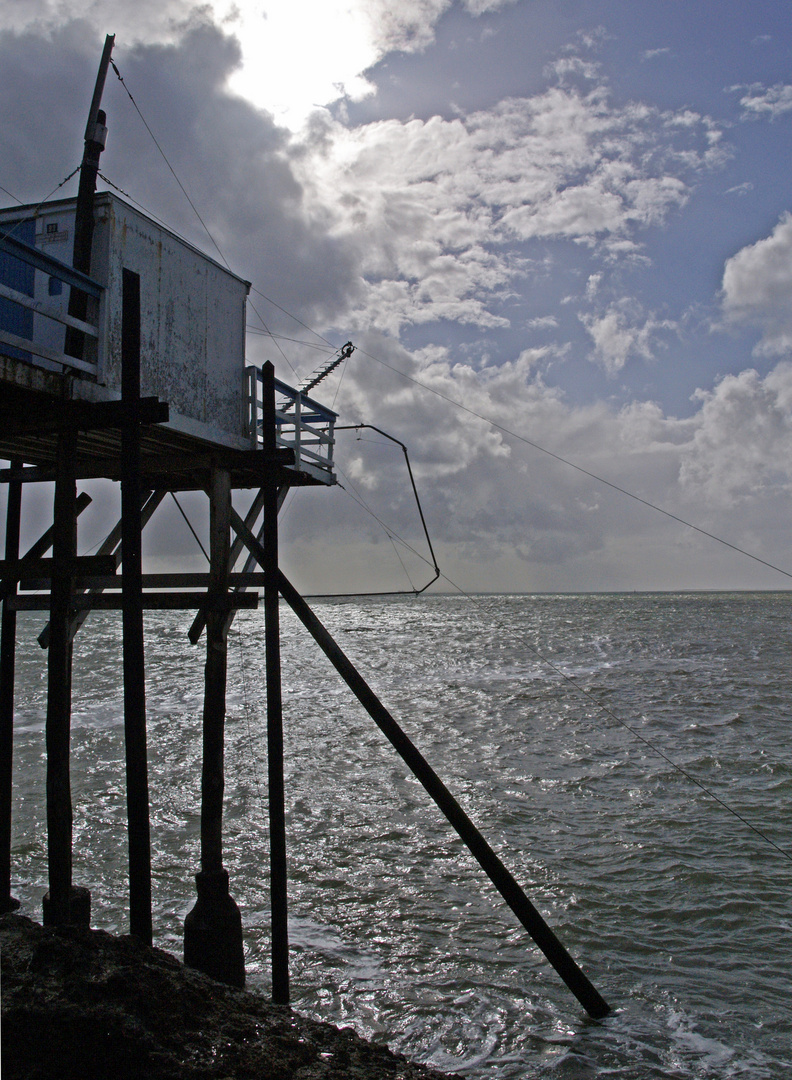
{"x": 594, "y": 740}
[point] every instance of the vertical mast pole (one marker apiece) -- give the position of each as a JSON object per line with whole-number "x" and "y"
{"x": 95, "y": 138}
{"x": 95, "y": 135}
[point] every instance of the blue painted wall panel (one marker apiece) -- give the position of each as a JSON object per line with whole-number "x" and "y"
{"x": 17, "y": 275}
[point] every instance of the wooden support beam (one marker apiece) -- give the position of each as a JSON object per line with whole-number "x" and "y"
{"x": 52, "y": 416}
{"x": 140, "y": 922}
{"x": 503, "y": 881}
{"x": 62, "y": 904}
{"x": 193, "y": 471}
{"x": 31, "y": 474}
{"x": 152, "y": 601}
{"x": 212, "y": 781}
{"x": 111, "y": 545}
{"x": 256, "y": 462}
{"x": 178, "y": 471}
{"x": 44, "y": 543}
{"x": 199, "y": 622}
{"x": 248, "y": 574}
{"x": 7, "y": 666}
{"x": 59, "y": 808}
{"x": 187, "y": 580}
{"x": 23, "y": 570}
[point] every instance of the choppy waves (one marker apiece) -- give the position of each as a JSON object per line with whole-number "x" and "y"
{"x": 679, "y": 913}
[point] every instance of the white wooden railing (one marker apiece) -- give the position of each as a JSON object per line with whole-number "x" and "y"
{"x": 54, "y": 311}
{"x": 302, "y": 425}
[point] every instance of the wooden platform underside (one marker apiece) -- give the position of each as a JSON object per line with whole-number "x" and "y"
{"x": 170, "y": 459}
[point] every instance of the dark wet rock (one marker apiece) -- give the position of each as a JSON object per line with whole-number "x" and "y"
{"x": 84, "y": 1004}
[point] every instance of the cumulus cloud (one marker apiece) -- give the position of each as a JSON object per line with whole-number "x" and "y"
{"x": 621, "y": 332}
{"x": 409, "y": 25}
{"x": 766, "y": 102}
{"x": 395, "y": 225}
{"x": 757, "y": 285}
{"x": 386, "y": 225}
{"x": 743, "y": 439}
{"x": 440, "y": 208}
{"x": 570, "y": 67}
{"x": 497, "y": 501}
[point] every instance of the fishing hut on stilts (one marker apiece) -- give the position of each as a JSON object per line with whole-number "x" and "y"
{"x": 127, "y": 364}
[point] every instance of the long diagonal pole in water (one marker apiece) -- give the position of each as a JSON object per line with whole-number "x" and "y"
{"x": 588, "y": 996}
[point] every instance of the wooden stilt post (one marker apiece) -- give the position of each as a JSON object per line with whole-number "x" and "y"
{"x": 277, "y": 816}
{"x": 63, "y": 903}
{"x": 7, "y": 664}
{"x": 213, "y": 928}
{"x": 132, "y": 619}
{"x": 212, "y": 781}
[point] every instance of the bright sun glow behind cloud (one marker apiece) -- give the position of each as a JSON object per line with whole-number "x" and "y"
{"x": 299, "y": 57}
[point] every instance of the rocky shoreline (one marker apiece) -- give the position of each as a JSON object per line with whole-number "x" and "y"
{"x": 84, "y": 1004}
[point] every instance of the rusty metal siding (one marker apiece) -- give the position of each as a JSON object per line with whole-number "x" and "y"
{"x": 192, "y": 318}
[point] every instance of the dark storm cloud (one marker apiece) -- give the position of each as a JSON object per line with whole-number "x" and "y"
{"x": 231, "y": 158}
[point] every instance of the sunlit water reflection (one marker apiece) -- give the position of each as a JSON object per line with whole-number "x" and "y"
{"x": 679, "y": 913}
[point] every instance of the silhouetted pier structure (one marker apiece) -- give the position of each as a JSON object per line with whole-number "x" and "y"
{"x": 149, "y": 389}
{"x": 128, "y": 365}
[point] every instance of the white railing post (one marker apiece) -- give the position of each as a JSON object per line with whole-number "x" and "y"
{"x": 330, "y": 443}
{"x": 101, "y": 341}
{"x": 297, "y": 428}
{"x": 251, "y": 405}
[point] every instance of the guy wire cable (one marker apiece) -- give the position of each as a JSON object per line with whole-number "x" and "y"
{"x": 164, "y": 158}
{"x": 587, "y": 694}
{"x": 11, "y": 195}
{"x": 189, "y": 526}
{"x": 572, "y": 465}
{"x": 453, "y": 401}
{"x": 35, "y": 210}
{"x": 388, "y": 531}
{"x": 433, "y": 390}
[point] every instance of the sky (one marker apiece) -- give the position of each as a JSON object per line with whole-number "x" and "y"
{"x": 558, "y": 232}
